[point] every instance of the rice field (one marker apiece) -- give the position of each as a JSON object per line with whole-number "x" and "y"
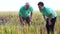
{"x": 10, "y": 24}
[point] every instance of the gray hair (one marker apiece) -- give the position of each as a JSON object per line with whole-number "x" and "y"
{"x": 27, "y": 3}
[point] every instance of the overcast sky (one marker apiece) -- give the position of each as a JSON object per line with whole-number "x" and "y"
{"x": 14, "y": 5}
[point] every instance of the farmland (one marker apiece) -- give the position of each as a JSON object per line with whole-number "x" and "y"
{"x": 10, "y": 24}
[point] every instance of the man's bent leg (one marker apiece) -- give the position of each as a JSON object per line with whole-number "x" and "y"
{"x": 48, "y": 30}
{"x": 47, "y": 27}
{"x": 53, "y": 24}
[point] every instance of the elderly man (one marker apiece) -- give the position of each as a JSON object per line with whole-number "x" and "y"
{"x": 25, "y": 14}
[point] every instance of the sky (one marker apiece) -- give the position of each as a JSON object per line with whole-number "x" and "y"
{"x": 15, "y": 5}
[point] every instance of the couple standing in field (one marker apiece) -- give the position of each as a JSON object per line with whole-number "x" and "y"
{"x": 26, "y": 12}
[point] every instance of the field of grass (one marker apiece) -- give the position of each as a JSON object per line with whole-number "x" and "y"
{"x": 10, "y": 24}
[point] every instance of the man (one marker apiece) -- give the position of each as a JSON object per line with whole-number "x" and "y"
{"x": 25, "y": 14}
{"x": 50, "y": 17}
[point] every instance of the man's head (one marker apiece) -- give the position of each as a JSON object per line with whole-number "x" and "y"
{"x": 41, "y": 5}
{"x": 27, "y": 6}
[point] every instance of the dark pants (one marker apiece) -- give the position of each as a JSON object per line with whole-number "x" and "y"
{"x": 50, "y": 27}
{"x": 27, "y": 20}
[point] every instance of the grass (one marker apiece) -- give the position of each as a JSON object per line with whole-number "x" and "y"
{"x": 11, "y": 24}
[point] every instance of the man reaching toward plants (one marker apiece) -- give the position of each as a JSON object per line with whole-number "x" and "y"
{"x": 25, "y": 15}
{"x": 49, "y": 16}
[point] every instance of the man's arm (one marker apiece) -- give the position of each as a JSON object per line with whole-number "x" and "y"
{"x": 20, "y": 17}
{"x": 50, "y": 18}
{"x": 31, "y": 15}
{"x": 31, "y": 9}
{"x": 49, "y": 21}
